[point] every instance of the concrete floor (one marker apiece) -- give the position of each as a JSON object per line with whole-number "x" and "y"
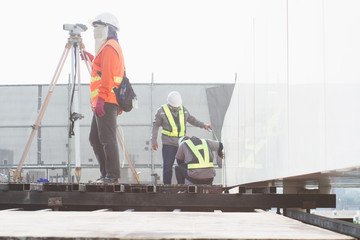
{"x": 156, "y": 225}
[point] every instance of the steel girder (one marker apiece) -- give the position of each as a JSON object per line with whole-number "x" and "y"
{"x": 119, "y": 197}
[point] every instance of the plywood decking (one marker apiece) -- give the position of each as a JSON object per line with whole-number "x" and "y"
{"x": 156, "y": 225}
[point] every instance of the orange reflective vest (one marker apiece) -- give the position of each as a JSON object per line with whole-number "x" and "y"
{"x": 107, "y": 72}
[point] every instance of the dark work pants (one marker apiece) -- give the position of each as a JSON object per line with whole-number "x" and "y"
{"x": 168, "y": 154}
{"x": 181, "y": 173}
{"x": 103, "y": 140}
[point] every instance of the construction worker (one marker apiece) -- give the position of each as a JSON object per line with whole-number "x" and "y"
{"x": 195, "y": 157}
{"x": 172, "y": 117}
{"x": 107, "y": 73}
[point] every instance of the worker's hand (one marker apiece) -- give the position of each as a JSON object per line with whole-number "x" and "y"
{"x": 89, "y": 55}
{"x": 222, "y": 156}
{"x": 209, "y": 126}
{"x": 99, "y": 107}
{"x": 155, "y": 146}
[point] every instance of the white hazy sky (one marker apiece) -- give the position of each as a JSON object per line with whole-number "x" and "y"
{"x": 179, "y": 41}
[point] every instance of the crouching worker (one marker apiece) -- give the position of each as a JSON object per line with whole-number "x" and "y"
{"x": 195, "y": 160}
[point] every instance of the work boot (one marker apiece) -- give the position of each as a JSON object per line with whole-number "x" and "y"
{"x": 110, "y": 180}
{"x": 99, "y": 180}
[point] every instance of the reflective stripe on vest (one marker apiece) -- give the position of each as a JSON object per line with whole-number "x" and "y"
{"x": 202, "y": 163}
{"x": 174, "y": 130}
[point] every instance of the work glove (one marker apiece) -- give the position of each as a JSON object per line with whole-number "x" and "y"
{"x": 99, "y": 107}
{"x": 90, "y": 56}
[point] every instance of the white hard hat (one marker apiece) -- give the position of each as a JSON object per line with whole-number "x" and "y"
{"x": 174, "y": 99}
{"x": 183, "y": 139}
{"x": 107, "y": 19}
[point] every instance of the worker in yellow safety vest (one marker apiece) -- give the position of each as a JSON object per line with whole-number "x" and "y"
{"x": 172, "y": 117}
{"x": 197, "y": 157}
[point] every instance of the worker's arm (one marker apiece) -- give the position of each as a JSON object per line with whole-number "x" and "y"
{"x": 110, "y": 62}
{"x": 193, "y": 121}
{"x": 87, "y": 55}
{"x": 216, "y": 146}
{"x": 220, "y": 150}
{"x": 155, "y": 128}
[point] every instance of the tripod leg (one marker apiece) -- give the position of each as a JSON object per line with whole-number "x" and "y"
{"x": 42, "y": 110}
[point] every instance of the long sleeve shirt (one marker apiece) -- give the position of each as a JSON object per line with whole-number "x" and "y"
{"x": 161, "y": 120}
{"x": 184, "y": 154}
{"x": 108, "y": 72}
{"x": 112, "y": 67}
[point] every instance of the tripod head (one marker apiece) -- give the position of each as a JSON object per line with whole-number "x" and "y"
{"x": 75, "y": 29}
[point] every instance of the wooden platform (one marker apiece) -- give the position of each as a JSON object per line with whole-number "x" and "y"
{"x": 156, "y": 225}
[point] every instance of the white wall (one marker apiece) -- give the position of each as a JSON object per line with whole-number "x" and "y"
{"x": 296, "y": 105}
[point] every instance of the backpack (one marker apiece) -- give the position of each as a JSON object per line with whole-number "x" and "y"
{"x": 125, "y": 95}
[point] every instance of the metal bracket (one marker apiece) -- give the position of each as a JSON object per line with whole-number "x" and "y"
{"x": 55, "y": 202}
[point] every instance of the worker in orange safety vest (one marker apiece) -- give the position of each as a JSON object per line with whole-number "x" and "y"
{"x": 107, "y": 73}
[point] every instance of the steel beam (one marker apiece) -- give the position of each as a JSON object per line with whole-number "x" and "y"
{"x": 335, "y": 225}
{"x": 120, "y": 197}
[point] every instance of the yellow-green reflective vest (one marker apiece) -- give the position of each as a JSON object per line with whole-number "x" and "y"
{"x": 174, "y": 130}
{"x": 203, "y": 162}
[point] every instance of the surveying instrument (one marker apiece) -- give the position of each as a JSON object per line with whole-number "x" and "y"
{"x": 75, "y": 44}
